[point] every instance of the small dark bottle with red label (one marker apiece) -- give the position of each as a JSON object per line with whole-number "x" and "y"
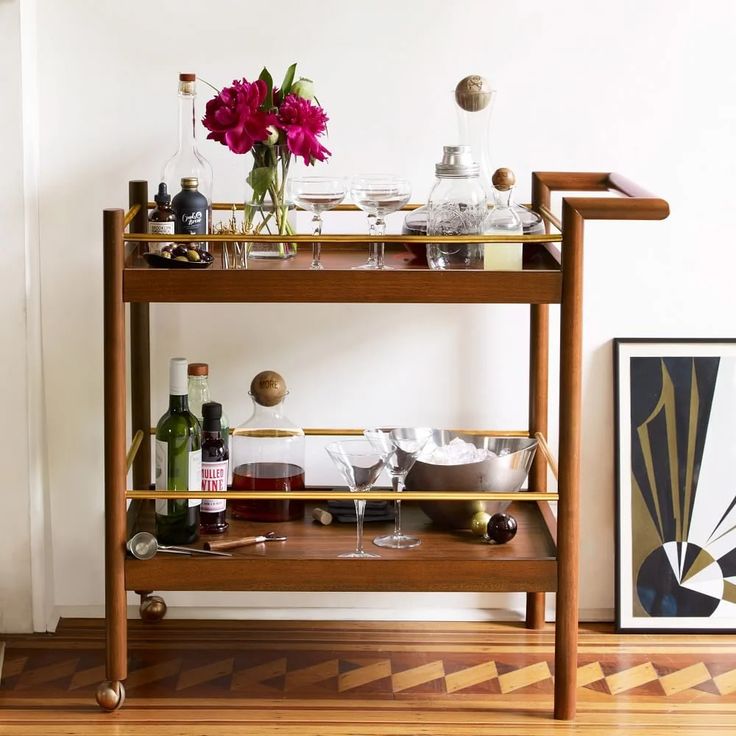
{"x": 214, "y": 470}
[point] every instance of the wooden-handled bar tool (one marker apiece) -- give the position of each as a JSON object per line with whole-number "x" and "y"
{"x": 243, "y": 541}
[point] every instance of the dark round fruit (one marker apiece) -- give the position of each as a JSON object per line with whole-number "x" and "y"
{"x": 501, "y": 528}
{"x": 180, "y": 250}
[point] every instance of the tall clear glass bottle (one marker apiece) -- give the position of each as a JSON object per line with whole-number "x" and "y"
{"x": 502, "y": 219}
{"x": 188, "y": 161}
{"x": 268, "y": 454}
{"x": 474, "y": 106}
{"x": 199, "y": 392}
{"x": 178, "y": 462}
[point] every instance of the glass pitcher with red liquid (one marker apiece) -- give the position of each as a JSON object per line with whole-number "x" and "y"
{"x": 268, "y": 454}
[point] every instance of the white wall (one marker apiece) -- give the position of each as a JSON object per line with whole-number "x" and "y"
{"x": 638, "y": 86}
{"x": 15, "y": 550}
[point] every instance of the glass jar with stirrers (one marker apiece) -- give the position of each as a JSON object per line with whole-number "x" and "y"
{"x": 360, "y": 464}
{"x": 316, "y": 194}
{"x": 378, "y": 195}
{"x": 402, "y": 446}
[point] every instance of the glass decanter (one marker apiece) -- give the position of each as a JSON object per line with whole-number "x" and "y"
{"x": 502, "y": 220}
{"x": 268, "y": 454}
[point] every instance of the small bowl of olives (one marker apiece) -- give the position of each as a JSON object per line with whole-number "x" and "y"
{"x": 180, "y": 255}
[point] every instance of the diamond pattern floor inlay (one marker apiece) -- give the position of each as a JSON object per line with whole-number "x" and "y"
{"x": 174, "y": 659}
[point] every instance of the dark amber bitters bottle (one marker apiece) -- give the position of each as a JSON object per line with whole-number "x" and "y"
{"x": 214, "y": 470}
{"x": 161, "y": 220}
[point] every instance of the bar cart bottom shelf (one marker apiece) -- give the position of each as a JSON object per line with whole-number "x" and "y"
{"x": 447, "y": 560}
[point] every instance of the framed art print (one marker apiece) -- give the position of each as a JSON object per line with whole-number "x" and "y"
{"x": 676, "y": 481}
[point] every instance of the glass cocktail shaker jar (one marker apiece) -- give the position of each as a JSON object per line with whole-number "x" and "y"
{"x": 457, "y": 206}
{"x": 268, "y": 454}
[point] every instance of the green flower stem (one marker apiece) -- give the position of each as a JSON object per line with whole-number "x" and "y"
{"x": 278, "y": 212}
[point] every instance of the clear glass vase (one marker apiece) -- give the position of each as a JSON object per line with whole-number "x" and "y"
{"x": 268, "y": 210}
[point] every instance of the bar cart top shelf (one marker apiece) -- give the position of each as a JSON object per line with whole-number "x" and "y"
{"x": 292, "y": 280}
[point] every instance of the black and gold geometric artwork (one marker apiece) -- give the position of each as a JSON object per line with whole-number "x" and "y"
{"x": 682, "y": 495}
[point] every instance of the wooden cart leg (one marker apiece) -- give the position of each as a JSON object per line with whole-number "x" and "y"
{"x": 538, "y": 413}
{"x": 568, "y": 528}
{"x": 110, "y": 695}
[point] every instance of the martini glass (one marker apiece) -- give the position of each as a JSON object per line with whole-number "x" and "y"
{"x": 360, "y": 464}
{"x": 402, "y": 447}
{"x": 378, "y": 195}
{"x": 317, "y": 194}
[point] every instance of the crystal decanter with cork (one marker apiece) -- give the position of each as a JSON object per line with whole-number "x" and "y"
{"x": 268, "y": 454}
{"x": 502, "y": 219}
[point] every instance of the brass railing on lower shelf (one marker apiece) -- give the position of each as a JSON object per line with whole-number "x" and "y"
{"x": 327, "y": 493}
{"x": 379, "y": 494}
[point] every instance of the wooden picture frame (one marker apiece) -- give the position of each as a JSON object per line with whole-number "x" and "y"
{"x": 675, "y": 405}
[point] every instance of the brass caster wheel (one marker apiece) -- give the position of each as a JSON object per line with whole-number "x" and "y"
{"x": 110, "y": 695}
{"x": 152, "y": 608}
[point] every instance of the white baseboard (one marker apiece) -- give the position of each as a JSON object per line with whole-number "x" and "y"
{"x": 333, "y": 614}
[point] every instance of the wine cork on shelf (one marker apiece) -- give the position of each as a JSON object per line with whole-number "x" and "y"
{"x": 322, "y": 516}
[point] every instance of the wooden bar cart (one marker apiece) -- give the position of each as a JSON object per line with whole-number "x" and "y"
{"x": 545, "y": 554}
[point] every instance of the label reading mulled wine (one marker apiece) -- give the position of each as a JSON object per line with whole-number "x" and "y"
{"x": 214, "y": 478}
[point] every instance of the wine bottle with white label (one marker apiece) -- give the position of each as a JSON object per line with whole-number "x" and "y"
{"x": 178, "y": 463}
{"x": 214, "y": 470}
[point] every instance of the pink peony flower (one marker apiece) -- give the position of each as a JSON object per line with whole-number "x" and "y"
{"x": 234, "y": 116}
{"x": 303, "y": 122}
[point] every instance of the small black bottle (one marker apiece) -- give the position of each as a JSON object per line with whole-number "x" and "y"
{"x": 190, "y": 207}
{"x": 214, "y": 470}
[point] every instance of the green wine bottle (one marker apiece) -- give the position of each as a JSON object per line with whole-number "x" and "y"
{"x": 178, "y": 462}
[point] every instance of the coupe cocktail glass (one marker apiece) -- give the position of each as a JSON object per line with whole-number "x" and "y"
{"x": 402, "y": 447}
{"x": 378, "y": 195}
{"x": 317, "y": 194}
{"x": 360, "y": 464}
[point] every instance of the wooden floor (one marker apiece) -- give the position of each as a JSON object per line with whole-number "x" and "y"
{"x": 194, "y": 678}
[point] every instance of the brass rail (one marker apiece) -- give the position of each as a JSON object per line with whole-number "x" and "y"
{"x": 327, "y": 493}
{"x": 550, "y": 217}
{"x": 133, "y": 451}
{"x": 341, "y": 238}
{"x": 130, "y": 215}
{"x": 228, "y": 207}
{"x": 548, "y": 456}
{"x": 330, "y": 432}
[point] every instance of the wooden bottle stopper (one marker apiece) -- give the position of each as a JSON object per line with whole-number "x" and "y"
{"x": 503, "y": 179}
{"x": 268, "y": 388}
{"x": 473, "y": 93}
{"x": 322, "y": 516}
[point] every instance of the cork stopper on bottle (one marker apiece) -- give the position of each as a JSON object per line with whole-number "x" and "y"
{"x": 187, "y": 84}
{"x": 473, "y": 93}
{"x": 268, "y": 388}
{"x": 503, "y": 179}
